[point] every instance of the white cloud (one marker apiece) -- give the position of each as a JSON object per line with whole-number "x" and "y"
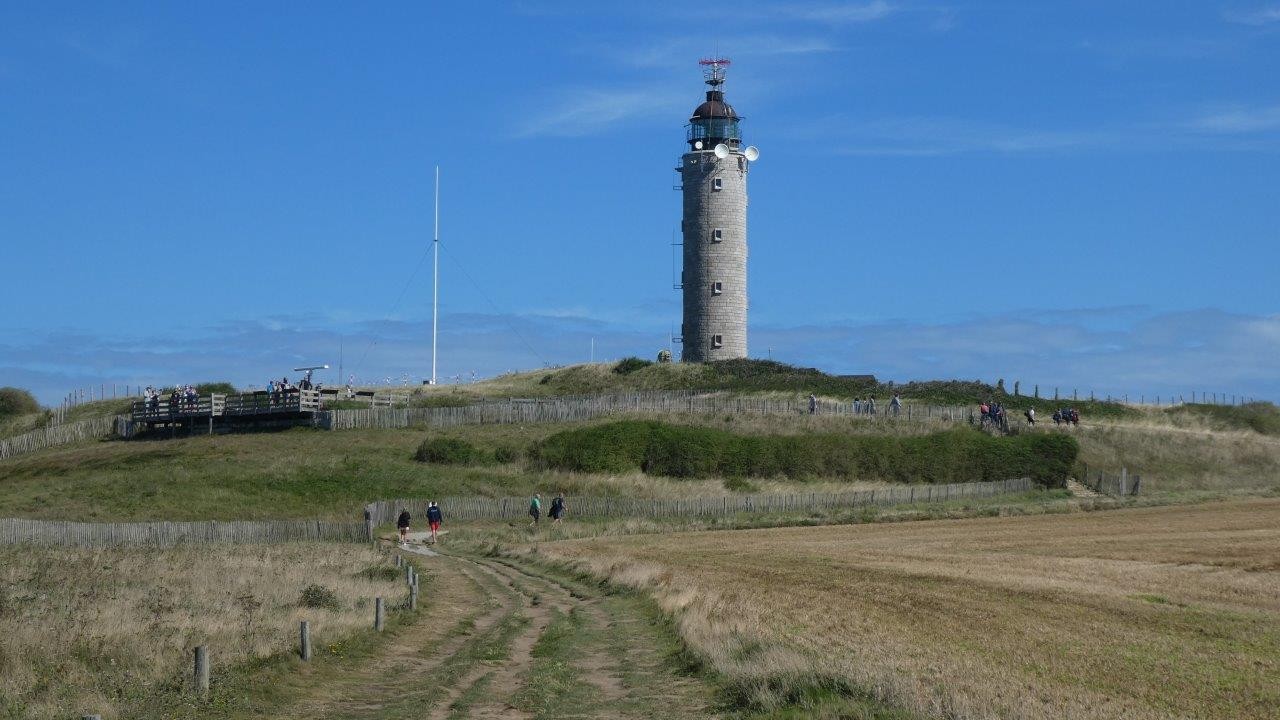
{"x": 919, "y": 137}
{"x": 839, "y": 13}
{"x": 1239, "y": 120}
{"x": 1257, "y": 17}
{"x": 1107, "y": 350}
{"x": 588, "y": 111}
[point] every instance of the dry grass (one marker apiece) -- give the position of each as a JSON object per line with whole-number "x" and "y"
{"x": 95, "y": 630}
{"x": 1144, "y": 613}
{"x": 1175, "y": 459}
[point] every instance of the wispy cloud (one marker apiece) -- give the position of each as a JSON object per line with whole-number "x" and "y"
{"x": 1239, "y": 119}
{"x": 1257, "y": 17}
{"x": 926, "y": 137}
{"x": 838, "y": 13}
{"x": 1109, "y": 350}
{"x": 588, "y": 111}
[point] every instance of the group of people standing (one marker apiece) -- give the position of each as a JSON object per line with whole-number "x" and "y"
{"x": 181, "y": 397}
{"x": 861, "y": 406}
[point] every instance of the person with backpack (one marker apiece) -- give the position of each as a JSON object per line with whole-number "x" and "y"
{"x": 402, "y": 522}
{"x": 895, "y": 404}
{"x": 558, "y": 508}
{"x": 1031, "y": 415}
{"x": 813, "y": 404}
{"x": 434, "y": 518}
{"x": 535, "y": 509}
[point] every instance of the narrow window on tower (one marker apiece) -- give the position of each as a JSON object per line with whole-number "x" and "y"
{"x": 717, "y": 184}
{"x": 717, "y": 341}
{"x": 716, "y": 288}
{"x": 717, "y": 235}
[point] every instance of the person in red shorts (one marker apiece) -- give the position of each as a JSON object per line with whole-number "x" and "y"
{"x": 434, "y": 518}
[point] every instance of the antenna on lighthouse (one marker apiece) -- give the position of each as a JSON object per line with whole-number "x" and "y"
{"x": 435, "y": 279}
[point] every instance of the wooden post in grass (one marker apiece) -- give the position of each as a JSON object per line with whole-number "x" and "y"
{"x": 399, "y": 561}
{"x": 201, "y": 675}
{"x": 304, "y": 641}
{"x": 413, "y": 597}
{"x": 408, "y": 574}
{"x": 379, "y": 614}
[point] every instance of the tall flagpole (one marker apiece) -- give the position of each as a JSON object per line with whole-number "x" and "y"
{"x": 435, "y": 280}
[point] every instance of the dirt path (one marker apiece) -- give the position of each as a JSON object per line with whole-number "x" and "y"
{"x": 498, "y": 640}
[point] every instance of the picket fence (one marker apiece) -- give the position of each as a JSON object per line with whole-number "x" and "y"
{"x": 570, "y": 409}
{"x": 1115, "y": 484}
{"x": 92, "y": 429}
{"x": 161, "y": 534}
{"x": 506, "y": 508}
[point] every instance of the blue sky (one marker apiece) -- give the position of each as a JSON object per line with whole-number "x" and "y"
{"x": 1081, "y": 194}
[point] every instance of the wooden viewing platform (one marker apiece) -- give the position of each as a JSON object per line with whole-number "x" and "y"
{"x": 288, "y": 404}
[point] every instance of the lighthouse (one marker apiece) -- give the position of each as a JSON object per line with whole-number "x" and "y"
{"x": 713, "y": 174}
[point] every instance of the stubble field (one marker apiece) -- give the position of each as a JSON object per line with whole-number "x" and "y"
{"x": 1142, "y": 613}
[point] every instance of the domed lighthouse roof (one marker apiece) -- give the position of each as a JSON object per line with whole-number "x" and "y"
{"x": 714, "y": 121}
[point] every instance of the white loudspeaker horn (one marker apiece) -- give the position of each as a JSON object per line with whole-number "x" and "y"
{"x": 722, "y": 151}
{"x": 752, "y": 153}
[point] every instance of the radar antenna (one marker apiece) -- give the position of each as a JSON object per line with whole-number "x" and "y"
{"x": 713, "y": 69}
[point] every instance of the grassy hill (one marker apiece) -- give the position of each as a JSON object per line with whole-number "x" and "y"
{"x": 745, "y": 376}
{"x": 312, "y": 473}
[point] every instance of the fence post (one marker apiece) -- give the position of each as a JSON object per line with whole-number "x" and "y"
{"x": 201, "y": 676}
{"x": 1124, "y": 477}
{"x": 379, "y": 614}
{"x": 413, "y": 596}
{"x": 304, "y": 641}
{"x": 399, "y": 561}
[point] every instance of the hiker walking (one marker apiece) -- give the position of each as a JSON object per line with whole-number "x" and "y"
{"x": 1031, "y": 416}
{"x": 558, "y": 508}
{"x": 813, "y": 404}
{"x": 871, "y": 405}
{"x": 434, "y": 518}
{"x": 402, "y": 522}
{"x": 857, "y": 406}
{"x": 896, "y": 404}
{"x": 535, "y": 509}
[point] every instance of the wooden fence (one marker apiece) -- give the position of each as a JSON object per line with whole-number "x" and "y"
{"x": 92, "y": 429}
{"x": 1115, "y": 484}
{"x": 54, "y": 532}
{"x": 506, "y": 508}
{"x": 569, "y": 409}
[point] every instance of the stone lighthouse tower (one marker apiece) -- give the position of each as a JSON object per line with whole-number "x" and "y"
{"x": 713, "y": 176}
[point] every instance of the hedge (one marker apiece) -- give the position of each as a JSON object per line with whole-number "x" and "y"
{"x": 958, "y": 455}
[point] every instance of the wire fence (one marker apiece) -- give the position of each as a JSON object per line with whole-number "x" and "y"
{"x": 506, "y": 508}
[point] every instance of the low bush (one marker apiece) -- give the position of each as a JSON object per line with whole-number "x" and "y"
{"x": 449, "y": 451}
{"x": 626, "y": 366}
{"x": 958, "y": 455}
{"x": 220, "y": 388}
{"x": 506, "y": 454}
{"x": 16, "y": 401}
{"x": 320, "y": 597}
{"x": 380, "y": 572}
